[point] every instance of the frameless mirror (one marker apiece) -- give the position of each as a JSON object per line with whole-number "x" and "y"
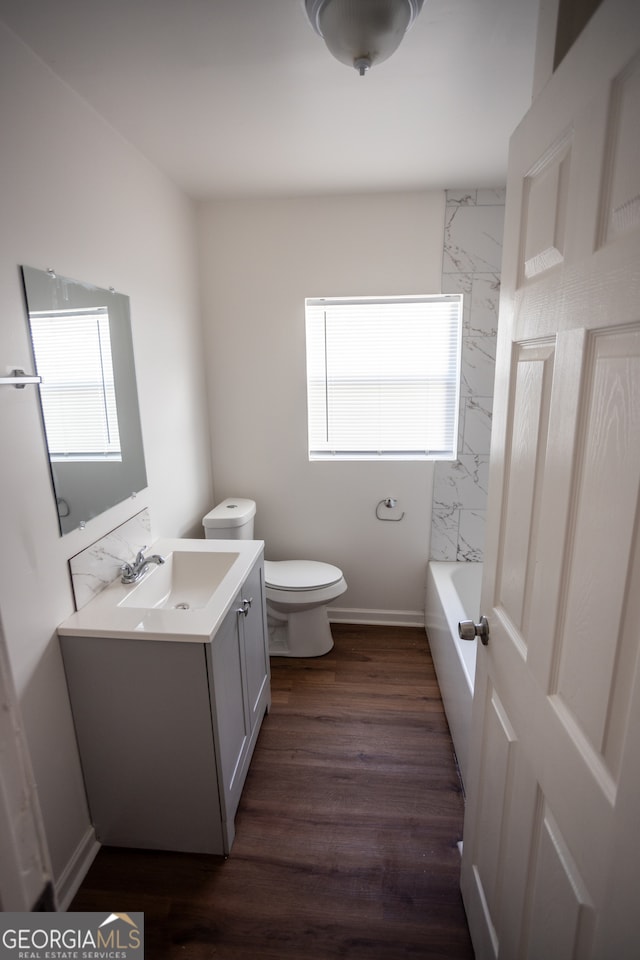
{"x": 82, "y": 346}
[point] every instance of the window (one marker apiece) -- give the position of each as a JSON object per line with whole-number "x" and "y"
{"x": 383, "y": 377}
{"x": 72, "y": 350}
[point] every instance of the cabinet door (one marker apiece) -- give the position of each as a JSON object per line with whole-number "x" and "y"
{"x": 230, "y": 711}
{"x": 256, "y": 650}
{"x": 143, "y": 723}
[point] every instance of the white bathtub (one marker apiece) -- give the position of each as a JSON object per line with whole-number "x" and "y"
{"x": 453, "y": 594}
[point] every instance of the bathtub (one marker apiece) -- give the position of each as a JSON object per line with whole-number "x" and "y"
{"x": 453, "y": 594}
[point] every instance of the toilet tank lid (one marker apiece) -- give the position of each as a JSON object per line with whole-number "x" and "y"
{"x": 232, "y": 512}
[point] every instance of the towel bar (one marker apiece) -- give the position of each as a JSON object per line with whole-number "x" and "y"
{"x": 18, "y": 379}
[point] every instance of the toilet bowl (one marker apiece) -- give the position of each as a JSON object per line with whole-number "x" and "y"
{"x": 297, "y": 591}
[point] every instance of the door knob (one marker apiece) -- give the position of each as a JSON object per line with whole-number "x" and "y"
{"x": 468, "y": 630}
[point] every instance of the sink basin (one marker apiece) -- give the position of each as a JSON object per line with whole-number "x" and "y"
{"x": 183, "y": 600}
{"x": 185, "y": 581}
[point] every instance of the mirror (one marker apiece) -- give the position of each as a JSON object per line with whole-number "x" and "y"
{"x": 83, "y": 350}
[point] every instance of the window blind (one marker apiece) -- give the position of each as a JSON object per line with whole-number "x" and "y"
{"x": 72, "y": 350}
{"x": 383, "y": 377}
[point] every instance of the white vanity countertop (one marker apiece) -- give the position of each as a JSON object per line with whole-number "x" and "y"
{"x": 111, "y": 613}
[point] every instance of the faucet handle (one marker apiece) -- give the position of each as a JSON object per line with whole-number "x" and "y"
{"x": 140, "y": 555}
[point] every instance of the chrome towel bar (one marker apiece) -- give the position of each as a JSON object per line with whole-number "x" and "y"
{"x": 18, "y": 379}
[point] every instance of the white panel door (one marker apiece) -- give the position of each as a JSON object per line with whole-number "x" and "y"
{"x": 551, "y": 845}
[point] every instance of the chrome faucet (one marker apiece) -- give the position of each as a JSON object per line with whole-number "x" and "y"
{"x": 131, "y": 572}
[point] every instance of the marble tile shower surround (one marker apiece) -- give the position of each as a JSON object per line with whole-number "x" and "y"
{"x": 471, "y": 264}
{"x": 95, "y": 567}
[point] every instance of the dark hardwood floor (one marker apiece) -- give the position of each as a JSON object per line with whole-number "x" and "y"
{"x": 347, "y": 831}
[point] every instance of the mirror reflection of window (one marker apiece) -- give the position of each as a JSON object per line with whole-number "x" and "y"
{"x": 73, "y": 356}
{"x": 83, "y": 350}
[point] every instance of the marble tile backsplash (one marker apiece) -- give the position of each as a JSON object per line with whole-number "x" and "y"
{"x": 471, "y": 263}
{"x": 97, "y": 566}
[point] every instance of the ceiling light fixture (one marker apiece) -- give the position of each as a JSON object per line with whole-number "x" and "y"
{"x": 362, "y": 32}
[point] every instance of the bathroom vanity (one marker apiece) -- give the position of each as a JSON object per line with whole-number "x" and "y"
{"x": 168, "y": 696}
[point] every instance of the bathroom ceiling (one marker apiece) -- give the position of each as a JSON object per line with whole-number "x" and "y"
{"x": 241, "y": 98}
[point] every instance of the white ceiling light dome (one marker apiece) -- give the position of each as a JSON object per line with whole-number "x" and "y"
{"x": 362, "y": 33}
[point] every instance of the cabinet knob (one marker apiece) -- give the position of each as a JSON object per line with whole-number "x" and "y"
{"x": 244, "y": 609}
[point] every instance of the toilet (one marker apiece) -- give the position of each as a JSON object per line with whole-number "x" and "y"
{"x": 297, "y": 591}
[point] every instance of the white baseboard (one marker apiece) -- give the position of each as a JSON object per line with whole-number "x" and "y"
{"x": 390, "y": 618}
{"x": 76, "y": 870}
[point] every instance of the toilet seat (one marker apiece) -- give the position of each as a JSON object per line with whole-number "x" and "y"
{"x": 300, "y": 575}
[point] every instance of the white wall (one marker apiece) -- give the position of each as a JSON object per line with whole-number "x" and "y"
{"x": 76, "y": 197}
{"x": 259, "y": 260}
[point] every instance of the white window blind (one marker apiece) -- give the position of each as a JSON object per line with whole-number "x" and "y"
{"x": 383, "y": 377}
{"x": 72, "y": 351}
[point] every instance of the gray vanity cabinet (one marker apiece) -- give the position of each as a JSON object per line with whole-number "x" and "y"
{"x": 166, "y": 728}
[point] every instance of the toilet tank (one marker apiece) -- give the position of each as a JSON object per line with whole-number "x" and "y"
{"x": 230, "y": 520}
